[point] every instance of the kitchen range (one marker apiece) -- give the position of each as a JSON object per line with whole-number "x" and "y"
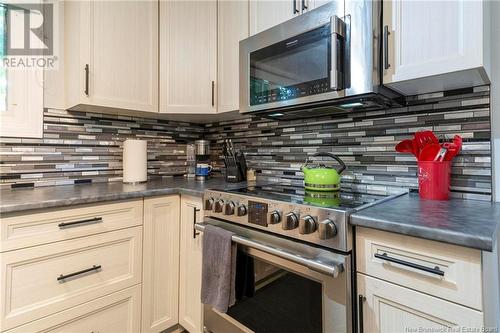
{"x": 301, "y": 245}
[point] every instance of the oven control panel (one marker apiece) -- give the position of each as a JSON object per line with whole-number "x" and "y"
{"x": 318, "y": 225}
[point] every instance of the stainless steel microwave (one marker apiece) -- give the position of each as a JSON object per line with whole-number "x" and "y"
{"x": 330, "y": 56}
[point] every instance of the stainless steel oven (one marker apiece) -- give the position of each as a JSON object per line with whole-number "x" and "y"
{"x": 298, "y": 287}
{"x": 328, "y": 56}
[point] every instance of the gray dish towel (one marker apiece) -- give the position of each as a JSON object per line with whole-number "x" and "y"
{"x": 218, "y": 268}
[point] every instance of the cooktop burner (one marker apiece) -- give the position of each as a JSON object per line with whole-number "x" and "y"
{"x": 342, "y": 199}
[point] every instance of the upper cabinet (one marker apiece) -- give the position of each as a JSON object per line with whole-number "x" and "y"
{"x": 21, "y": 88}
{"x": 112, "y": 54}
{"x": 232, "y": 26}
{"x": 435, "y": 45}
{"x": 265, "y": 14}
{"x": 188, "y": 62}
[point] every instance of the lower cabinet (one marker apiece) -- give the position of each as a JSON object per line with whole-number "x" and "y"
{"x": 160, "y": 275}
{"x": 39, "y": 281}
{"x": 118, "y": 312}
{"x": 190, "y": 307}
{"x": 386, "y": 307}
{"x": 97, "y": 275}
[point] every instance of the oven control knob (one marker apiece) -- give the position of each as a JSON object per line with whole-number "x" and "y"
{"x": 229, "y": 208}
{"x": 307, "y": 225}
{"x": 209, "y": 203}
{"x": 274, "y": 217}
{"x": 242, "y": 210}
{"x": 291, "y": 222}
{"x": 327, "y": 229}
{"x": 219, "y": 204}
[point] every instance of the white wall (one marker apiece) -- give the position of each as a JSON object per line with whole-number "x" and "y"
{"x": 495, "y": 96}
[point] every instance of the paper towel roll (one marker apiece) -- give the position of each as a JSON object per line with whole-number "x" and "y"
{"x": 135, "y": 161}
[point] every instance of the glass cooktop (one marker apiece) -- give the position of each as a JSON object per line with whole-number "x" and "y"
{"x": 343, "y": 199}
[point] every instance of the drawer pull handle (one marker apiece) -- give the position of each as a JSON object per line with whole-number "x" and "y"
{"x": 436, "y": 270}
{"x": 195, "y": 233}
{"x": 77, "y": 223}
{"x": 361, "y": 300}
{"x": 95, "y": 268}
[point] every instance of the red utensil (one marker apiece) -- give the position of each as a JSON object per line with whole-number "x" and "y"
{"x": 422, "y": 139}
{"x": 429, "y": 152}
{"x": 454, "y": 148}
{"x": 405, "y": 146}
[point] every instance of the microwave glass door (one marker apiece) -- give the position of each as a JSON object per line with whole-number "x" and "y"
{"x": 283, "y": 302}
{"x": 293, "y": 68}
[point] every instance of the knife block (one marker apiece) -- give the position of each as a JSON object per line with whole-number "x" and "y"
{"x": 236, "y": 172}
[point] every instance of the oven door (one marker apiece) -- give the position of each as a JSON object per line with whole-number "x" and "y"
{"x": 298, "y": 288}
{"x": 283, "y": 69}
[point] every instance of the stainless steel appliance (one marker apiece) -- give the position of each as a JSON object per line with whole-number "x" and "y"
{"x": 202, "y": 157}
{"x": 330, "y": 56}
{"x": 301, "y": 246}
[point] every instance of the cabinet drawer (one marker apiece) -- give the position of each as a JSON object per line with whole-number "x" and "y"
{"x": 51, "y": 225}
{"x": 42, "y": 280}
{"x": 116, "y": 313}
{"x": 443, "y": 270}
{"x": 391, "y": 308}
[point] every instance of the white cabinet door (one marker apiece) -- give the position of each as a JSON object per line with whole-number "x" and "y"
{"x": 190, "y": 307}
{"x": 188, "y": 63}
{"x": 432, "y": 38}
{"x": 160, "y": 275}
{"x": 232, "y": 26}
{"x": 390, "y": 308}
{"x": 21, "y": 112}
{"x": 265, "y": 14}
{"x": 21, "y": 95}
{"x": 118, "y": 57}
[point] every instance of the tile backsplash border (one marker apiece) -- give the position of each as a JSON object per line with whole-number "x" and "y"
{"x": 80, "y": 147}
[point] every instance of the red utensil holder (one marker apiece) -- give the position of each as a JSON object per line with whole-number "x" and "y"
{"x": 434, "y": 180}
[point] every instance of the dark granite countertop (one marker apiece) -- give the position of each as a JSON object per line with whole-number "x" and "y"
{"x": 65, "y": 195}
{"x": 468, "y": 223}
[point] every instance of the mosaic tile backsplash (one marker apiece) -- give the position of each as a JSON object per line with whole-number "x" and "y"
{"x": 80, "y": 147}
{"x": 365, "y": 142}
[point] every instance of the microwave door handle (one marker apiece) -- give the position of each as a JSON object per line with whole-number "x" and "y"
{"x": 337, "y": 27}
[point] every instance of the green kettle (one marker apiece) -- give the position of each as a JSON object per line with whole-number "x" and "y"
{"x": 318, "y": 177}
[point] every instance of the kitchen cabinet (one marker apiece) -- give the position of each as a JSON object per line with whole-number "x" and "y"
{"x": 435, "y": 45}
{"x": 188, "y": 62}
{"x": 160, "y": 275}
{"x": 190, "y": 306}
{"x": 112, "y": 54}
{"x": 232, "y": 26}
{"x": 22, "y": 111}
{"x": 43, "y": 280}
{"x": 118, "y": 312}
{"x": 21, "y": 98}
{"x": 265, "y": 14}
{"x": 407, "y": 283}
{"x": 387, "y": 307}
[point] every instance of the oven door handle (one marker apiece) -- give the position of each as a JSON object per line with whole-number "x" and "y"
{"x": 338, "y": 32}
{"x": 329, "y": 269}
